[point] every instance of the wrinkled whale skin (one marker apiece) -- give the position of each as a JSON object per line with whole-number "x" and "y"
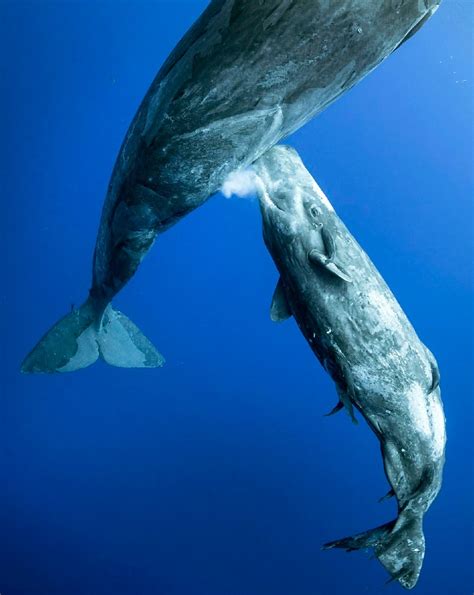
{"x": 361, "y": 336}
{"x": 248, "y": 73}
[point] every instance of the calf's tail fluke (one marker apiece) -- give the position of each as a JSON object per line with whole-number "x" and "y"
{"x": 87, "y": 333}
{"x": 399, "y": 546}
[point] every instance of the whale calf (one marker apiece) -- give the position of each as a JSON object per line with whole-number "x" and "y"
{"x": 246, "y": 75}
{"x": 361, "y": 336}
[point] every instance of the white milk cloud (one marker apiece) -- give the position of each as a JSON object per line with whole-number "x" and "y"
{"x": 241, "y": 182}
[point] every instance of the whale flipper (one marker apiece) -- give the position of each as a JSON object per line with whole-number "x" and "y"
{"x": 327, "y": 259}
{"x": 335, "y": 270}
{"x": 318, "y": 258}
{"x": 335, "y": 409}
{"x": 83, "y": 335}
{"x": 345, "y": 401}
{"x": 347, "y": 404}
{"x": 388, "y": 495}
{"x": 329, "y": 242}
{"x": 435, "y": 374}
{"x": 398, "y": 545}
{"x": 280, "y": 309}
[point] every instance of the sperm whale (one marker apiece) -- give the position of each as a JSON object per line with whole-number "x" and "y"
{"x": 361, "y": 336}
{"x": 245, "y": 75}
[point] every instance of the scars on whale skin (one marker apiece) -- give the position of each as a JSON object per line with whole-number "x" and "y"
{"x": 245, "y": 75}
{"x": 361, "y": 336}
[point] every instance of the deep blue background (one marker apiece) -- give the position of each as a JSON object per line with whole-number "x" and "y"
{"x": 218, "y": 475}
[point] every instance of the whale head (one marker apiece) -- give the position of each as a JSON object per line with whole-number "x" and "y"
{"x": 293, "y": 207}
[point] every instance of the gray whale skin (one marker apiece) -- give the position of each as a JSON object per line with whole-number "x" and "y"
{"x": 247, "y": 74}
{"x": 363, "y": 339}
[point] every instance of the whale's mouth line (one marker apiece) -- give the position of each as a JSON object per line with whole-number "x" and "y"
{"x": 279, "y": 208}
{"x": 266, "y": 199}
{"x": 264, "y": 196}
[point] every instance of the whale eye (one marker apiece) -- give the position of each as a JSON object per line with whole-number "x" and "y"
{"x": 314, "y": 211}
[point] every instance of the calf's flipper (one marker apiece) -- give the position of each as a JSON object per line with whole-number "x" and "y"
{"x": 280, "y": 309}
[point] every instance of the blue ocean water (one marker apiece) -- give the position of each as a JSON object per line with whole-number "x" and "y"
{"x": 218, "y": 474}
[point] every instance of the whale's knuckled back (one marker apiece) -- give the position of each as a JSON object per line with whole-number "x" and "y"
{"x": 87, "y": 333}
{"x": 398, "y": 545}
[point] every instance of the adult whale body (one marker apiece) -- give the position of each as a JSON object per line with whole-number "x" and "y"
{"x": 360, "y": 334}
{"x": 245, "y": 75}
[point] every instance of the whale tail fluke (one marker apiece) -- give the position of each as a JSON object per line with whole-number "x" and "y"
{"x": 87, "y": 333}
{"x": 398, "y": 545}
